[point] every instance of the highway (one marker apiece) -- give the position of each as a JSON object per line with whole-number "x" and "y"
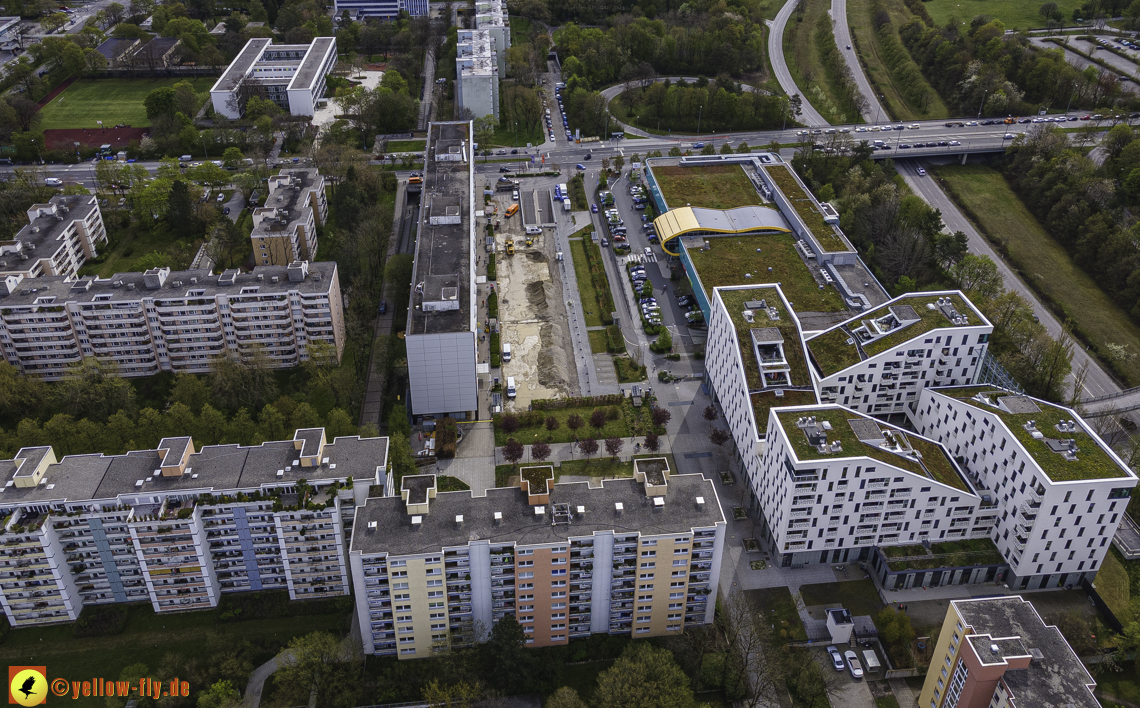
{"x": 873, "y": 110}
{"x": 809, "y": 115}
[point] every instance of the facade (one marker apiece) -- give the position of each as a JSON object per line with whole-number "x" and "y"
{"x": 477, "y": 73}
{"x": 385, "y": 9}
{"x": 997, "y": 652}
{"x": 441, "y": 331}
{"x": 634, "y": 556}
{"x": 879, "y": 361}
{"x": 59, "y": 238}
{"x": 290, "y": 75}
{"x": 177, "y": 526}
{"x": 1060, "y": 490}
{"x": 143, "y": 323}
{"x": 285, "y": 229}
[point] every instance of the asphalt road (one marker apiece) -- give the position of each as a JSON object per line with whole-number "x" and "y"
{"x": 874, "y": 109}
{"x": 808, "y": 116}
{"x": 1097, "y": 383}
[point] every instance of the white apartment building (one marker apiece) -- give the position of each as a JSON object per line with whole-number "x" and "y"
{"x": 160, "y": 320}
{"x": 59, "y": 238}
{"x": 285, "y": 228}
{"x": 879, "y": 361}
{"x": 1059, "y": 489}
{"x": 492, "y": 17}
{"x": 634, "y": 556}
{"x": 177, "y": 526}
{"x": 442, "y": 315}
{"x": 477, "y": 73}
{"x": 360, "y": 10}
{"x": 290, "y": 75}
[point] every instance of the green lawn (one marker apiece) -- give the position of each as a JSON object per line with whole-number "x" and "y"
{"x": 886, "y": 702}
{"x": 1123, "y": 685}
{"x": 859, "y": 597}
{"x": 1043, "y": 262}
{"x": 597, "y": 337}
{"x": 127, "y": 246}
{"x": 859, "y": 14}
{"x": 113, "y": 101}
{"x": 781, "y": 607}
{"x": 711, "y": 186}
{"x": 563, "y": 433}
{"x": 406, "y": 145}
{"x": 148, "y": 638}
{"x": 1015, "y": 14}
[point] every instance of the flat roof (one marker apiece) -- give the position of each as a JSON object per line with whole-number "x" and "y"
{"x": 441, "y": 298}
{"x": 40, "y": 238}
{"x": 395, "y": 534}
{"x": 134, "y": 286}
{"x": 859, "y": 435}
{"x": 242, "y": 63}
{"x": 896, "y": 322}
{"x": 307, "y": 72}
{"x": 288, "y": 201}
{"x": 1055, "y": 426}
{"x": 807, "y": 208}
{"x": 1056, "y": 679}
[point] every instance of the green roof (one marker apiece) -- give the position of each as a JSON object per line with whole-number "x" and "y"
{"x": 828, "y": 237}
{"x": 711, "y": 186}
{"x": 833, "y": 354}
{"x": 1093, "y": 461}
{"x": 728, "y": 259}
{"x": 934, "y": 464}
{"x": 949, "y": 554}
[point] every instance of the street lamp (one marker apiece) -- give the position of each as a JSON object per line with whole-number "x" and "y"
{"x": 699, "y": 112}
{"x": 983, "y": 103}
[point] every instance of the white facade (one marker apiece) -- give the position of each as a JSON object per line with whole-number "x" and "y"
{"x": 387, "y": 9}
{"x": 143, "y": 323}
{"x": 59, "y": 238}
{"x": 290, "y": 75}
{"x": 477, "y": 73}
{"x": 891, "y": 358}
{"x": 1053, "y": 533}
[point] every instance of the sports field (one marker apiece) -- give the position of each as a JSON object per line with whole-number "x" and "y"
{"x": 1014, "y": 14}
{"x": 113, "y": 101}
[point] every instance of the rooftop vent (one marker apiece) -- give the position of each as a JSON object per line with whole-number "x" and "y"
{"x": 581, "y": 511}
{"x": 748, "y": 316}
{"x": 139, "y": 482}
{"x": 539, "y": 510}
{"x": 459, "y": 519}
{"x": 417, "y": 522}
{"x": 371, "y": 524}
{"x": 619, "y": 507}
{"x": 280, "y": 473}
{"x": 498, "y": 517}
{"x": 658, "y": 502}
{"x": 994, "y": 648}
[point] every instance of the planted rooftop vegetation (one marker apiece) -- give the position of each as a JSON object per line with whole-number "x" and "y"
{"x": 1092, "y": 461}
{"x": 737, "y": 260}
{"x": 951, "y": 554}
{"x": 807, "y": 209}
{"x": 710, "y": 186}
{"x": 933, "y": 462}
{"x": 734, "y": 302}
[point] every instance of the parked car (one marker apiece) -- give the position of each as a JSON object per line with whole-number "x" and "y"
{"x": 594, "y": 208}
{"x": 853, "y": 665}
{"x": 836, "y": 658}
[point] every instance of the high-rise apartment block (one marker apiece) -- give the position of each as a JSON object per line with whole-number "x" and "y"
{"x": 997, "y": 652}
{"x": 442, "y": 313}
{"x": 143, "y": 323}
{"x": 178, "y": 526}
{"x": 481, "y": 59}
{"x": 59, "y": 238}
{"x": 632, "y": 556}
{"x": 291, "y": 75}
{"x": 285, "y": 228}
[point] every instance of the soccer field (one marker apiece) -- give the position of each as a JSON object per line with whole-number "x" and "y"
{"x": 113, "y": 101}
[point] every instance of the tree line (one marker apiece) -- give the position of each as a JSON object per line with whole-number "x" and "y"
{"x": 719, "y": 105}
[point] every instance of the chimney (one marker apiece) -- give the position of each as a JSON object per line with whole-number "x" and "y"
{"x": 658, "y": 503}
{"x": 581, "y": 511}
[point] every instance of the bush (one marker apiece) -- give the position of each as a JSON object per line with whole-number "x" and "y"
{"x": 615, "y": 341}
{"x": 267, "y": 604}
{"x": 493, "y": 305}
{"x": 492, "y": 272}
{"x": 102, "y": 620}
{"x": 446, "y": 438}
{"x": 663, "y": 344}
{"x": 496, "y": 351}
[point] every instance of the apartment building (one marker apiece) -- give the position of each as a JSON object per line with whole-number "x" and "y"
{"x": 997, "y": 652}
{"x": 1059, "y": 489}
{"x": 879, "y": 361}
{"x": 179, "y": 526}
{"x": 285, "y": 228}
{"x": 442, "y": 313}
{"x": 491, "y": 16}
{"x": 59, "y": 238}
{"x": 634, "y": 556}
{"x": 361, "y": 10}
{"x": 290, "y": 75}
{"x": 160, "y": 320}
{"x": 477, "y": 73}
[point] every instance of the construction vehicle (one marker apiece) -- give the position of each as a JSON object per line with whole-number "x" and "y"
{"x": 510, "y": 247}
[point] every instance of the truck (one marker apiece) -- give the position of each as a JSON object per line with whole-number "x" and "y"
{"x": 566, "y": 204}
{"x": 562, "y": 192}
{"x": 510, "y": 247}
{"x": 508, "y": 186}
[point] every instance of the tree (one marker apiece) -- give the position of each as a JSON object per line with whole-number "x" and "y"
{"x": 318, "y": 665}
{"x": 574, "y": 422}
{"x": 459, "y": 695}
{"x": 710, "y": 413}
{"x": 513, "y": 451}
{"x": 115, "y": 13}
{"x": 652, "y": 442}
{"x": 232, "y": 158}
{"x": 598, "y": 419}
{"x": 718, "y": 436}
{"x": 159, "y": 102}
{"x": 552, "y": 423}
{"x": 565, "y": 697}
{"x": 540, "y": 451}
{"x": 221, "y": 694}
{"x": 614, "y": 446}
{"x": 588, "y": 446}
{"x": 512, "y": 664}
{"x": 660, "y": 417}
{"x": 509, "y": 422}
{"x": 180, "y": 214}
{"x": 759, "y": 668}
{"x": 644, "y": 676}
{"x": 485, "y": 131}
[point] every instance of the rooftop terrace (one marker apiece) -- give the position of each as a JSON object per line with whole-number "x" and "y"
{"x": 858, "y": 435}
{"x": 1044, "y": 440}
{"x": 901, "y": 320}
{"x": 949, "y": 554}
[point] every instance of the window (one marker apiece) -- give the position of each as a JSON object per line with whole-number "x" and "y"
{"x": 526, "y": 575}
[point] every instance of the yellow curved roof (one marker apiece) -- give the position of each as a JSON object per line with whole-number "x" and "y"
{"x": 678, "y": 222}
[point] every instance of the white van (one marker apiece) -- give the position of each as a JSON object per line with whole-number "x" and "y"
{"x": 506, "y": 351}
{"x": 533, "y": 230}
{"x": 510, "y": 387}
{"x": 53, "y": 182}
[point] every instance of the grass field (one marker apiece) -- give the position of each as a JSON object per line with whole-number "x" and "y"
{"x": 1015, "y": 14}
{"x": 597, "y": 336}
{"x": 127, "y": 246}
{"x": 613, "y": 428}
{"x": 113, "y": 101}
{"x": 859, "y": 13}
{"x": 778, "y": 603}
{"x": 586, "y": 291}
{"x": 148, "y": 638}
{"x": 1114, "y": 585}
{"x": 803, "y": 59}
{"x": 857, "y": 596}
{"x": 710, "y": 186}
{"x": 1042, "y": 260}
{"x": 406, "y": 145}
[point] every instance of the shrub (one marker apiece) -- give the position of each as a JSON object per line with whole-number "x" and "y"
{"x": 492, "y": 271}
{"x": 446, "y": 438}
{"x": 100, "y": 620}
{"x": 496, "y": 351}
{"x": 493, "y": 305}
{"x": 510, "y": 423}
{"x": 663, "y": 344}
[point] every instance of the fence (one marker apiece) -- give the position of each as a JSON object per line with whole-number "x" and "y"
{"x": 160, "y": 72}
{"x": 1109, "y": 617}
{"x": 990, "y": 371}
{"x": 902, "y": 673}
